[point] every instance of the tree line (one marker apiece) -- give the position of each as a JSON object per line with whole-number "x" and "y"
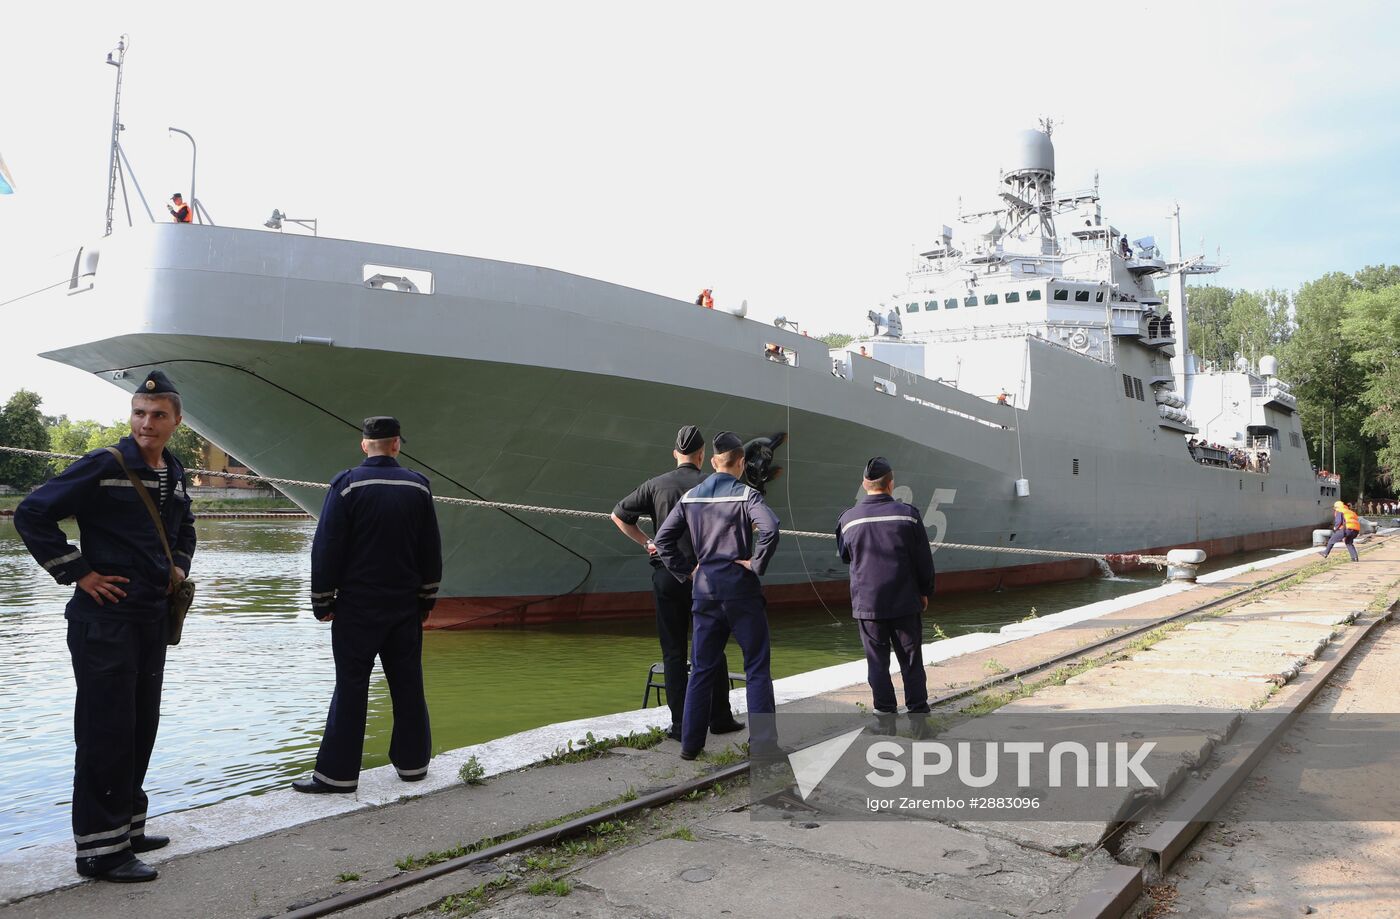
{"x": 24, "y": 425}
{"x": 1337, "y": 339}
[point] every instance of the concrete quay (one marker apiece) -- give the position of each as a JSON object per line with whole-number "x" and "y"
{"x": 705, "y": 855}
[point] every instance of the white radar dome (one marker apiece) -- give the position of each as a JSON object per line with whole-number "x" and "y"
{"x": 1032, "y": 152}
{"x": 1268, "y": 365}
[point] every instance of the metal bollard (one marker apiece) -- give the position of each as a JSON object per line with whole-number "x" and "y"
{"x": 1182, "y": 564}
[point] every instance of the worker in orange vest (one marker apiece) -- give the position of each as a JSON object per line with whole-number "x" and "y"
{"x": 706, "y": 299}
{"x": 179, "y": 210}
{"x": 1346, "y": 526}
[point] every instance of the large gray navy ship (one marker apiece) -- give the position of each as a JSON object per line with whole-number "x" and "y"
{"x": 1028, "y": 383}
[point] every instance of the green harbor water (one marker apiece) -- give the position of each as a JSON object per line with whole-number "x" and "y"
{"x": 246, "y": 691}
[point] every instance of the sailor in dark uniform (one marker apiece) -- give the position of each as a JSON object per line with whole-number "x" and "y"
{"x": 654, "y": 498}
{"x": 375, "y": 566}
{"x": 885, "y": 543}
{"x": 724, "y": 561}
{"x": 117, "y": 620}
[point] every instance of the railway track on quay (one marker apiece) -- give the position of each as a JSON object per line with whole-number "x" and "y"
{"x": 1165, "y": 828}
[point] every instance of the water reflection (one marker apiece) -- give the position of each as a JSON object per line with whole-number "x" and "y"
{"x": 246, "y": 690}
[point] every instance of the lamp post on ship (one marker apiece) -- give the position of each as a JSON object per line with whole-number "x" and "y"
{"x": 194, "y": 163}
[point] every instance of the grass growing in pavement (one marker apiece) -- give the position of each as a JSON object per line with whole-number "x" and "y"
{"x": 734, "y": 753}
{"x": 472, "y": 772}
{"x": 590, "y": 747}
{"x": 684, "y": 833}
{"x": 464, "y": 904}
{"x": 551, "y": 888}
{"x": 346, "y": 876}
{"x": 414, "y": 862}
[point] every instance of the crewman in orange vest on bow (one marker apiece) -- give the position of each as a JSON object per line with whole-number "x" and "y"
{"x": 1346, "y": 526}
{"x": 179, "y": 210}
{"x": 706, "y": 299}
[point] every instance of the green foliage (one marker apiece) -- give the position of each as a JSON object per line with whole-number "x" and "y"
{"x": 552, "y": 888}
{"x": 684, "y": 833}
{"x": 1371, "y": 328}
{"x": 22, "y": 425}
{"x": 590, "y": 747}
{"x": 836, "y": 339}
{"x": 464, "y": 904}
{"x": 472, "y": 772}
{"x": 346, "y": 876}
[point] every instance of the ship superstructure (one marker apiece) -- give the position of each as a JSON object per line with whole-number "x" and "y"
{"x": 1032, "y": 393}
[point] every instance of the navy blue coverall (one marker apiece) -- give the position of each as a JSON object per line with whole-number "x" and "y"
{"x": 886, "y": 545}
{"x": 720, "y": 515}
{"x": 118, "y": 649}
{"x": 376, "y": 563}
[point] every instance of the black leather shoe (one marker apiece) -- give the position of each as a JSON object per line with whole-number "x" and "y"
{"x": 148, "y": 842}
{"x": 132, "y": 871}
{"x": 314, "y": 786}
{"x": 688, "y": 755}
{"x": 674, "y": 732}
{"x": 728, "y": 726}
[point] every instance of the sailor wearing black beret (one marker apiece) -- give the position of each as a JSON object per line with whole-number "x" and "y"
{"x": 710, "y": 535}
{"x": 119, "y": 617}
{"x": 376, "y": 562}
{"x": 655, "y": 498}
{"x": 885, "y": 543}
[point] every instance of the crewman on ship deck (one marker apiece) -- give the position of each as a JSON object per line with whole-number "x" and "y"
{"x": 655, "y": 498}
{"x": 885, "y": 543}
{"x": 376, "y": 562}
{"x": 179, "y": 211}
{"x": 724, "y": 561}
{"x": 1346, "y": 526}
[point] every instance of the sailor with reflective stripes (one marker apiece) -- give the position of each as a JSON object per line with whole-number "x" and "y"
{"x": 376, "y": 565}
{"x": 117, "y": 621}
{"x": 885, "y": 543}
{"x": 720, "y": 516}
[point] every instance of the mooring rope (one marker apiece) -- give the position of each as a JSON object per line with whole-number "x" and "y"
{"x": 1158, "y": 560}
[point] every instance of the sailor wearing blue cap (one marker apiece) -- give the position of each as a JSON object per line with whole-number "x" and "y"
{"x": 724, "y": 563}
{"x": 117, "y": 619}
{"x": 376, "y": 562}
{"x": 885, "y": 543}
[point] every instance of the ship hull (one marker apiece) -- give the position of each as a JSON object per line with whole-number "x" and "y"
{"x": 523, "y": 385}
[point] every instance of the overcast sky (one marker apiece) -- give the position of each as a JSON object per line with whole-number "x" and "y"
{"x": 790, "y": 154}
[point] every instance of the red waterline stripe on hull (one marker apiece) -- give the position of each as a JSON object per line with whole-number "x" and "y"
{"x": 518, "y": 611}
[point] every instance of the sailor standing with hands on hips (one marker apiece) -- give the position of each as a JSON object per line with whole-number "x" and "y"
{"x": 885, "y": 543}
{"x": 118, "y": 619}
{"x": 724, "y": 562}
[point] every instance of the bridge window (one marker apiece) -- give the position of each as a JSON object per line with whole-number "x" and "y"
{"x": 930, "y": 306}
{"x": 1033, "y": 295}
{"x": 1081, "y": 296}
{"x": 1061, "y": 293}
{"x": 991, "y": 300}
{"x": 911, "y": 307}
{"x": 1098, "y": 297}
{"x": 1127, "y": 386}
{"x": 951, "y": 303}
{"x": 970, "y": 300}
{"x": 1013, "y": 297}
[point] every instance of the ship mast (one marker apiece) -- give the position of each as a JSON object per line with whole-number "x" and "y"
{"x": 116, "y": 58}
{"x": 1183, "y": 363}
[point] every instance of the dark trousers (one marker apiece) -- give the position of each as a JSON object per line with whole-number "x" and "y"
{"x": 119, "y": 668}
{"x": 398, "y": 643}
{"x": 1338, "y": 536}
{"x": 905, "y": 637}
{"x": 673, "y": 629}
{"x": 715, "y": 621}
